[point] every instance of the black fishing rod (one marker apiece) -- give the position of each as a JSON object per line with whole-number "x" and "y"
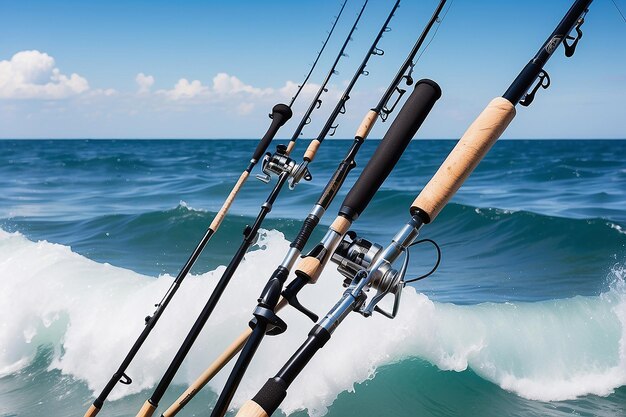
{"x": 395, "y": 141}
{"x": 264, "y": 315}
{"x": 283, "y": 166}
{"x": 297, "y": 245}
{"x": 316, "y": 103}
{"x": 368, "y": 267}
{"x": 319, "y": 54}
{"x": 310, "y": 268}
{"x": 265, "y": 320}
{"x": 280, "y": 115}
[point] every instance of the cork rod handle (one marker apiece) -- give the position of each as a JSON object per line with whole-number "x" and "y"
{"x": 465, "y": 156}
{"x": 215, "y": 224}
{"x": 147, "y": 410}
{"x": 310, "y": 152}
{"x": 93, "y": 410}
{"x": 367, "y": 124}
{"x": 251, "y": 409}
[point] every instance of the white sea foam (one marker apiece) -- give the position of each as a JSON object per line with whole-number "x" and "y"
{"x": 183, "y": 203}
{"x": 617, "y": 227}
{"x": 91, "y": 313}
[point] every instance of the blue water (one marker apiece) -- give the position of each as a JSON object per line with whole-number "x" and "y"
{"x": 534, "y": 248}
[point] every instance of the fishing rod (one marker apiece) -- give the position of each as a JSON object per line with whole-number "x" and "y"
{"x": 319, "y": 54}
{"x": 280, "y": 164}
{"x": 369, "y": 267}
{"x": 316, "y": 103}
{"x": 280, "y": 115}
{"x": 264, "y": 315}
{"x": 269, "y": 300}
{"x": 265, "y": 320}
{"x": 311, "y": 266}
{"x": 395, "y": 141}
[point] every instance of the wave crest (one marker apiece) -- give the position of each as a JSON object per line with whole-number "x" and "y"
{"x": 90, "y": 313}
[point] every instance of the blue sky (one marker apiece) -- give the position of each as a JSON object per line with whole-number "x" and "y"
{"x": 206, "y": 69}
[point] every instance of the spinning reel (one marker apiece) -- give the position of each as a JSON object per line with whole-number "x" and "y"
{"x": 366, "y": 265}
{"x": 278, "y": 163}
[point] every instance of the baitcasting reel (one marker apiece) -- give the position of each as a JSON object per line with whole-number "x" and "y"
{"x": 280, "y": 162}
{"x": 367, "y": 265}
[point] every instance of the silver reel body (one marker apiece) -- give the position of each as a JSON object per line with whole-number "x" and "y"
{"x": 368, "y": 266}
{"x": 280, "y": 162}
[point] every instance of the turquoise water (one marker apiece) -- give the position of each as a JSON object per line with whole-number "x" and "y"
{"x": 525, "y": 316}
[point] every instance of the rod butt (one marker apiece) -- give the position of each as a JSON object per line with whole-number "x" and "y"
{"x": 93, "y": 410}
{"x": 147, "y": 410}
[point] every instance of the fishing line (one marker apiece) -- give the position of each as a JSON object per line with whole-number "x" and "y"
{"x": 619, "y": 11}
{"x": 439, "y": 22}
{"x": 319, "y": 54}
{"x": 432, "y": 271}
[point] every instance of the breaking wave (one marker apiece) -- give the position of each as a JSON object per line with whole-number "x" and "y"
{"x": 89, "y": 313}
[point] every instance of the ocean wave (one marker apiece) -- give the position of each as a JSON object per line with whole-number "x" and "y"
{"x": 523, "y": 250}
{"x": 463, "y": 217}
{"x": 90, "y": 313}
{"x": 183, "y": 204}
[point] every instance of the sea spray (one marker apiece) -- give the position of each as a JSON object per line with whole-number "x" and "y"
{"x": 89, "y": 313}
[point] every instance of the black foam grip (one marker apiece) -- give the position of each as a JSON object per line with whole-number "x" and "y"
{"x": 271, "y": 395}
{"x": 305, "y": 232}
{"x": 280, "y": 114}
{"x": 402, "y": 130}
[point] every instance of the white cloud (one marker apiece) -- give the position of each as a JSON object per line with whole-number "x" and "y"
{"x": 224, "y": 86}
{"x": 144, "y": 82}
{"x": 229, "y": 84}
{"x": 290, "y": 88}
{"x": 245, "y": 108}
{"x": 107, "y": 92}
{"x": 33, "y": 75}
{"x": 185, "y": 90}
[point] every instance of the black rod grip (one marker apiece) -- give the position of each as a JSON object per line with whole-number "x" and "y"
{"x": 397, "y": 138}
{"x": 307, "y": 228}
{"x": 280, "y": 114}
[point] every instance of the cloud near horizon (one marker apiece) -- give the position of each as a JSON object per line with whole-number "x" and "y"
{"x": 144, "y": 82}
{"x": 33, "y": 75}
{"x": 32, "y": 87}
{"x": 224, "y": 86}
{"x": 184, "y": 89}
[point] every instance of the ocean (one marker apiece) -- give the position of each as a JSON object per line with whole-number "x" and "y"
{"x": 526, "y": 316}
